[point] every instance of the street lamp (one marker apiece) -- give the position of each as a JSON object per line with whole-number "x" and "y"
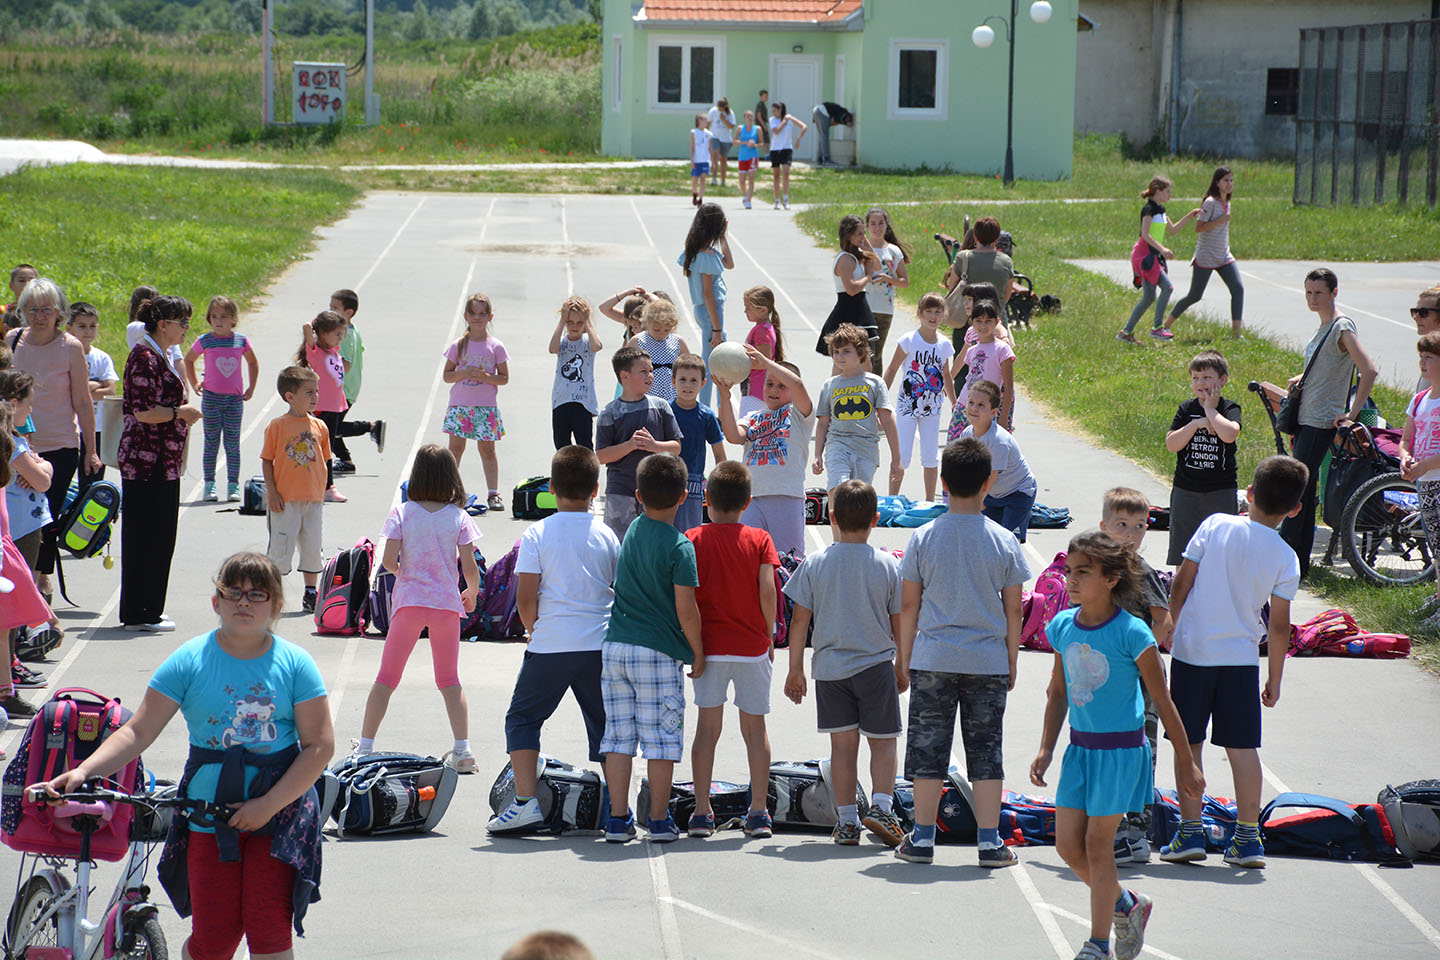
{"x": 983, "y": 36}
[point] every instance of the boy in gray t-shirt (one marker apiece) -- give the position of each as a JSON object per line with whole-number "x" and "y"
{"x": 854, "y": 590}
{"x": 959, "y": 642}
{"x": 853, "y": 409}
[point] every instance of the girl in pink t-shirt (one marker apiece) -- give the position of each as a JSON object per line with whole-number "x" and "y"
{"x": 1420, "y": 454}
{"x": 225, "y": 355}
{"x": 989, "y": 358}
{"x": 764, "y": 336}
{"x": 423, "y": 536}
{"x": 321, "y": 353}
{"x": 475, "y": 365}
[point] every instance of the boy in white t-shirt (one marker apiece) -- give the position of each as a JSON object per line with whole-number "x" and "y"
{"x": 566, "y": 569}
{"x": 700, "y": 139}
{"x": 84, "y": 326}
{"x": 1232, "y": 567}
{"x": 1420, "y": 454}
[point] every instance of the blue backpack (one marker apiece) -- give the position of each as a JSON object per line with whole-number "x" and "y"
{"x": 1330, "y": 829}
{"x": 1049, "y": 518}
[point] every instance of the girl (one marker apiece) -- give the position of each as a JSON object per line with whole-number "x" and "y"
{"x": 573, "y": 403}
{"x": 988, "y": 358}
{"x": 747, "y": 138}
{"x": 984, "y": 290}
{"x": 1012, "y": 491}
{"x": 222, "y": 401}
{"x": 658, "y": 339}
{"x": 630, "y": 302}
{"x": 23, "y": 606}
{"x": 765, "y": 337}
{"x": 699, "y": 158}
{"x": 1102, "y": 654}
{"x": 1420, "y": 454}
{"x": 854, "y": 265}
{"x": 925, "y": 356}
{"x": 1149, "y": 255}
{"x": 893, "y": 272}
{"x": 255, "y": 875}
{"x": 475, "y": 365}
{"x": 705, "y": 259}
{"x": 431, "y": 528}
{"x": 25, "y": 496}
{"x": 786, "y": 132}
{"x": 1212, "y": 252}
{"x": 320, "y": 351}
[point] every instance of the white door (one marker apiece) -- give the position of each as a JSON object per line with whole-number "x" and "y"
{"x": 795, "y": 82}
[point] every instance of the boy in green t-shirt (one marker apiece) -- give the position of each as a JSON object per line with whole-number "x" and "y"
{"x": 654, "y": 631}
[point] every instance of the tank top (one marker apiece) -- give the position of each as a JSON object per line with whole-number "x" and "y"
{"x": 56, "y": 426}
{"x": 858, "y": 274}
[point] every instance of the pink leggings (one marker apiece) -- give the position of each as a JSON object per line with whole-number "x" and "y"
{"x": 405, "y": 626}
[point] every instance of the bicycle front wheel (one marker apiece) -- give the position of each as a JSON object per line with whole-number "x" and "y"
{"x": 149, "y": 943}
{"x": 27, "y": 925}
{"x": 1382, "y": 535}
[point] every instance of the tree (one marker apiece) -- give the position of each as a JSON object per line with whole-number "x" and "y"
{"x": 419, "y": 27}
{"x": 508, "y": 19}
{"x": 482, "y": 21}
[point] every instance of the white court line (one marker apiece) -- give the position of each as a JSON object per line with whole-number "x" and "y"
{"x": 786, "y": 942}
{"x": 681, "y": 302}
{"x": 342, "y": 678}
{"x": 664, "y": 902}
{"x": 1085, "y": 922}
{"x": 565, "y": 242}
{"x": 1427, "y": 930}
{"x": 1343, "y": 309}
{"x": 775, "y": 284}
{"x": 389, "y": 246}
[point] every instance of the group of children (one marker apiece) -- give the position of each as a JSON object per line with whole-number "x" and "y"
{"x": 716, "y": 130}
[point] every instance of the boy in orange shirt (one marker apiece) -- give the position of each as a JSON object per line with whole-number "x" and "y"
{"x": 294, "y": 457}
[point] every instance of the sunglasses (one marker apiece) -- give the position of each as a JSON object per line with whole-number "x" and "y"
{"x": 254, "y": 595}
{"x": 1418, "y": 312}
{"x": 182, "y": 324}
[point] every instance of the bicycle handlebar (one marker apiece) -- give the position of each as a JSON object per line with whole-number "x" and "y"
{"x": 99, "y": 802}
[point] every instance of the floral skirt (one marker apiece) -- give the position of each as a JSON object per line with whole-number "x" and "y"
{"x": 474, "y": 423}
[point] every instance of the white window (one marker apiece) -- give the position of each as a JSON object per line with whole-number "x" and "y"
{"x": 615, "y": 80}
{"x": 686, "y": 74}
{"x": 919, "y": 78}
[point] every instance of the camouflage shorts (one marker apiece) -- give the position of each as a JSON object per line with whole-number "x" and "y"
{"x": 934, "y": 698}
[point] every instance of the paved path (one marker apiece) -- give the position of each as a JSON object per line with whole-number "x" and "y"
{"x": 413, "y": 257}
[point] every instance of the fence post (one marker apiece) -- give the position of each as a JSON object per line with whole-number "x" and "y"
{"x": 1382, "y": 144}
{"x": 1359, "y": 113}
{"x": 1402, "y": 180}
{"x": 1433, "y": 132}
{"x": 1335, "y": 133}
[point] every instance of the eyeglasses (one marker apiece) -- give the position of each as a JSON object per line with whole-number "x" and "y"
{"x": 1417, "y": 312}
{"x": 254, "y": 595}
{"x": 43, "y": 309}
{"x": 182, "y": 324}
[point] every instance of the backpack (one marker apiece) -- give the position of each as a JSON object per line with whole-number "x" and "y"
{"x": 784, "y": 606}
{"x": 570, "y": 798}
{"x": 85, "y": 524}
{"x": 1330, "y": 829}
{"x": 817, "y": 506}
{"x": 1158, "y": 519}
{"x": 1413, "y": 810}
{"x": 1217, "y": 819}
{"x": 532, "y": 500}
{"x": 1335, "y": 633}
{"x": 955, "y": 817}
{"x": 496, "y": 616}
{"x": 799, "y": 795}
{"x": 252, "y": 503}
{"x": 379, "y": 793}
{"x": 470, "y": 623}
{"x": 63, "y": 732}
{"x": 378, "y": 602}
{"x": 1027, "y": 820}
{"x": 729, "y": 801}
{"x": 1049, "y": 518}
{"x": 1039, "y": 606}
{"x": 340, "y": 607}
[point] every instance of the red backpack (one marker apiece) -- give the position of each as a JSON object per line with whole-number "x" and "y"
{"x": 1335, "y": 633}
{"x": 1039, "y": 606}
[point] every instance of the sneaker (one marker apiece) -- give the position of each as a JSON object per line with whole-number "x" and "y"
{"x": 334, "y": 496}
{"x": 884, "y": 827}
{"x": 758, "y": 824}
{"x": 1180, "y": 849}
{"x": 786, "y": 201}
{"x": 25, "y": 678}
{"x": 37, "y": 643}
{"x": 16, "y": 708}
{"x": 747, "y": 204}
{"x": 701, "y": 825}
{"x": 1131, "y": 850}
{"x": 209, "y": 493}
{"x": 1001, "y": 856}
{"x": 308, "y": 601}
{"x": 517, "y": 818}
{"x": 163, "y": 626}
{"x": 1126, "y": 337}
{"x": 462, "y": 761}
{"x": 339, "y": 467}
{"x": 620, "y": 829}
{"x": 912, "y": 853}
{"x": 1130, "y": 928}
{"x": 846, "y": 834}
{"x": 1246, "y": 853}
{"x": 377, "y": 433}
{"x": 232, "y": 493}
{"x": 1091, "y": 952}
{"x": 1160, "y": 333}
{"x": 777, "y": 204}
{"x": 662, "y": 831}
{"x": 494, "y": 502}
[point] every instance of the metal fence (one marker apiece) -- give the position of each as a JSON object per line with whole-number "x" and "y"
{"x": 1366, "y": 127}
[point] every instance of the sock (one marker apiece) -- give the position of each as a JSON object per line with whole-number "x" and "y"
{"x": 849, "y": 813}
{"x": 989, "y": 837}
{"x": 923, "y": 836}
{"x": 367, "y": 744}
{"x": 462, "y": 746}
{"x": 494, "y": 492}
{"x": 1246, "y": 830}
{"x": 1126, "y": 903}
{"x": 885, "y": 801}
{"x": 521, "y": 801}
{"x": 1190, "y": 828}
{"x": 1104, "y": 945}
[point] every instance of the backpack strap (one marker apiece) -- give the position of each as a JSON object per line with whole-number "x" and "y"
{"x": 1313, "y": 801}
{"x": 58, "y": 730}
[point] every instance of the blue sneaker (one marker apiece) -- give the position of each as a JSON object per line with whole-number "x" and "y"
{"x": 758, "y": 824}
{"x": 664, "y": 831}
{"x": 620, "y": 829}
{"x": 701, "y": 825}
{"x": 1182, "y": 849}
{"x": 912, "y": 852}
{"x": 1246, "y": 853}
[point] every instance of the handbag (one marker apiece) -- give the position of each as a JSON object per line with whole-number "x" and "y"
{"x": 1287, "y": 418}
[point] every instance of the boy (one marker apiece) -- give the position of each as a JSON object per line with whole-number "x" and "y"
{"x": 854, "y": 408}
{"x": 565, "y": 568}
{"x": 352, "y": 354}
{"x": 1202, "y": 436}
{"x": 293, "y": 457}
{"x": 1232, "y": 566}
{"x": 959, "y": 642}
{"x": 627, "y": 430}
{"x": 699, "y": 159}
{"x": 736, "y": 568}
{"x": 698, "y": 426}
{"x": 1012, "y": 494}
{"x": 776, "y": 440}
{"x": 855, "y": 590}
{"x": 84, "y": 326}
{"x": 654, "y": 631}
{"x": 1125, "y": 516}
{"x": 21, "y": 275}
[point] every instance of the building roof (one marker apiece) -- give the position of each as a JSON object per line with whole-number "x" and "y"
{"x": 797, "y": 12}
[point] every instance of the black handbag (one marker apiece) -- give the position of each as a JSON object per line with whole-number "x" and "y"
{"x": 1287, "y": 418}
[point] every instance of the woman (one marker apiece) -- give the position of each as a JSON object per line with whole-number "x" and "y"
{"x": 63, "y": 413}
{"x": 982, "y": 264}
{"x": 893, "y": 272}
{"x": 852, "y": 271}
{"x": 151, "y": 449}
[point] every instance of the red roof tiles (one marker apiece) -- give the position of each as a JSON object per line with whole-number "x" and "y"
{"x": 752, "y": 11}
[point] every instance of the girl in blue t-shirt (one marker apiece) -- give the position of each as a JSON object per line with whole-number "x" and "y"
{"x": 1102, "y": 655}
{"x": 251, "y": 697}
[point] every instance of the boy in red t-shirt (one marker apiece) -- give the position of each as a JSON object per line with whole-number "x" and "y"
{"x": 737, "y": 597}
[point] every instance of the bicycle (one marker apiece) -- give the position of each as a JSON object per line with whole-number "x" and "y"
{"x": 49, "y": 916}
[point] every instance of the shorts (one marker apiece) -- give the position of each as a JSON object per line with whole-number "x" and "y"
{"x": 250, "y": 898}
{"x": 699, "y": 169}
{"x": 843, "y": 464}
{"x": 474, "y": 423}
{"x": 543, "y": 680}
{"x": 750, "y": 677}
{"x": 1189, "y": 509}
{"x": 720, "y": 148}
{"x": 644, "y": 693}
{"x": 928, "y": 427}
{"x": 747, "y": 164}
{"x": 780, "y": 516}
{"x": 866, "y": 701}
{"x": 691, "y": 512}
{"x": 298, "y": 525}
{"x": 1105, "y": 782}
{"x": 934, "y": 697}
{"x": 620, "y": 511}
{"x": 1228, "y": 695}
{"x": 781, "y": 158}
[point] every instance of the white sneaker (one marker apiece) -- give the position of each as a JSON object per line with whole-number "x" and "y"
{"x": 463, "y": 761}
{"x": 777, "y": 204}
{"x": 517, "y": 817}
{"x": 786, "y": 201}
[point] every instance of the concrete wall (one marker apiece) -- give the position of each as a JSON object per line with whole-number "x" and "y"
{"x": 1117, "y": 76}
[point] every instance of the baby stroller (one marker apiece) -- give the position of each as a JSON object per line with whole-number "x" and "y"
{"x": 1023, "y": 300}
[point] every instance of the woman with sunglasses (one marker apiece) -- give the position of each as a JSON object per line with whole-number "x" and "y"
{"x": 1426, "y": 314}
{"x": 152, "y": 447}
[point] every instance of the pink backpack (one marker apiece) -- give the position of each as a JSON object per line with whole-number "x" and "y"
{"x": 342, "y": 606}
{"x": 1335, "y": 633}
{"x": 1039, "y": 606}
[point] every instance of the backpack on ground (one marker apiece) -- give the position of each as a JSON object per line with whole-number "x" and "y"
{"x": 799, "y": 796}
{"x": 1330, "y": 829}
{"x": 1413, "y": 810}
{"x": 64, "y": 731}
{"x": 1217, "y": 819}
{"x": 85, "y": 524}
{"x": 729, "y": 801}
{"x": 496, "y": 615}
{"x": 532, "y": 500}
{"x": 571, "y": 798}
{"x": 1335, "y": 633}
{"x": 471, "y": 623}
{"x": 1039, "y": 606}
{"x": 900, "y": 511}
{"x": 1026, "y": 820}
{"x": 252, "y": 499}
{"x": 954, "y": 818}
{"x": 380, "y": 793}
{"x": 817, "y": 506}
{"x": 784, "y": 606}
{"x": 340, "y": 607}
{"x": 377, "y": 605}
{"x": 1049, "y": 518}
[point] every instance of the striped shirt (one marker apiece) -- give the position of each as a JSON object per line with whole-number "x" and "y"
{"x": 1212, "y": 249}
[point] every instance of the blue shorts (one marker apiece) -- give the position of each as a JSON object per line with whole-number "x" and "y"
{"x": 1228, "y": 695}
{"x": 699, "y": 169}
{"x": 1104, "y": 783}
{"x": 543, "y": 680}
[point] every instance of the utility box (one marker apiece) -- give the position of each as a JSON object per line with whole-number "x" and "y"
{"x": 317, "y": 92}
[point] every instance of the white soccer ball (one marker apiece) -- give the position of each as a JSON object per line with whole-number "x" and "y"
{"x": 729, "y": 362}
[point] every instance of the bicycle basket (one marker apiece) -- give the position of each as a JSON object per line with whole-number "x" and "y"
{"x": 151, "y": 825}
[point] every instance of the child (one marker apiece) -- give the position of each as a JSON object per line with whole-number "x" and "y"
{"x": 85, "y": 326}
{"x": 1124, "y": 517}
{"x": 1102, "y": 656}
{"x": 573, "y": 402}
{"x": 765, "y": 337}
{"x": 135, "y": 329}
{"x": 700, "y": 138}
{"x": 988, "y": 358}
{"x": 1202, "y": 436}
{"x": 959, "y": 643}
{"x": 657, "y": 338}
{"x": 892, "y": 272}
{"x": 320, "y": 351}
{"x": 29, "y": 512}
{"x": 475, "y": 365}
{"x": 925, "y": 356}
{"x": 20, "y": 275}
{"x": 1212, "y": 252}
{"x": 854, "y": 266}
{"x": 293, "y": 458}
{"x": 704, "y": 261}
{"x": 853, "y": 591}
{"x": 24, "y": 606}
{"x": 1426, "y": 315}
{"x": 1012, "y": 496}
{"x": 565, "y": 570}
{"x": 1233, "y": 565}
{"x": 1148, "y": 256}
{"x": 222, "y": 401}
{"x": 854, "y": 409}
{"x": 272, "y": 840}
{"x": 654, "y": 631}
{"x": 735, "y": 565}
{"x": 352, "y": 354}
{"x": 786, "y": 132}
{"x": 422, "y": 537}
{"x": 631, "y": 303}
{"x": 629, "y": 428}
{"x": 1420, "y": 455}
{"x": 982, "y": 290}
{"x": 698, "y": 426}
{"x": 748, "y": 139}
{"x": 776, "y": 439}
{"x": 720, "y": 121}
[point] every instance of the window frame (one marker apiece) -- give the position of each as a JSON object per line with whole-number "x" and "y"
{"x": 941, "y": 49}
{"x": 1286, "y": 98}
{"x": 687, "y": 43}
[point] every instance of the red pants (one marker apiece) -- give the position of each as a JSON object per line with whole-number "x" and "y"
{"x": 249, "y": 898}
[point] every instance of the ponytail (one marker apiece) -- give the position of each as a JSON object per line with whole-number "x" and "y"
{"x": 1157, "y": 183}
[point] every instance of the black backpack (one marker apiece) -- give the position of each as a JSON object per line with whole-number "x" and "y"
{"x": 380, "y": 793}
{"x": 730, "y": 802}
{"x": 1413, "y": 810}
{"x": 253, "y": 504}
{"x": 532, "y": 500}
{"x": 571, "y": 798}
